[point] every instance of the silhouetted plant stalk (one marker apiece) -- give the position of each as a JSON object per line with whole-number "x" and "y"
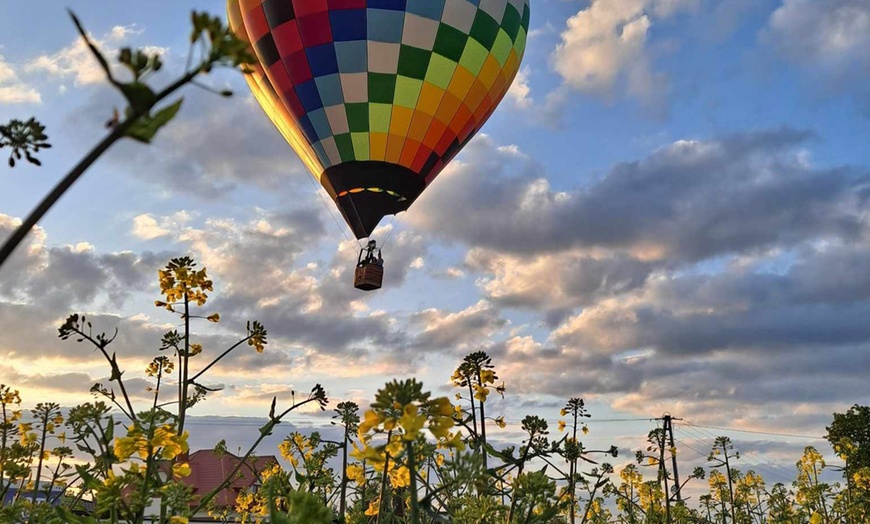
{"x": 142, "y": 119}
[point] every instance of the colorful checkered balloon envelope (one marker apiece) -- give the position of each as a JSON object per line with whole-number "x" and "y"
{"x": 377, "y": 96}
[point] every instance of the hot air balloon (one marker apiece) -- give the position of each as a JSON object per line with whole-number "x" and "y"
{"x": 377, "y": 96}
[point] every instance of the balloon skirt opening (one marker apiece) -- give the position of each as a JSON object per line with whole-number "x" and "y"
{"x": 367, "y": 191}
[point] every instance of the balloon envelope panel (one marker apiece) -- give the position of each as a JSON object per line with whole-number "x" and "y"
{"x": 377, "y": 96}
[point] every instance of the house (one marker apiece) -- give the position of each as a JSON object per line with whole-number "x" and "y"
{"x": 209, "y": 470}
{"x": 45, "y": 493}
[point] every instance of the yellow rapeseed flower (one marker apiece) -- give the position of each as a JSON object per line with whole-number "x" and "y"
{"x": 356, "y": 473}
{"x": 181, "y": 470}
{"x": 480, "y": 393}
{"x": 562, "y": 425}
{"x": 411, "y": 422}
{"x": 440, "y": 426}
{"x": 370, "y": 420}
{"x": 134, "y": 442}
{"x": 499, "y": 421}
{"x": 400, "y": 477}
{"x": 374, "y": 507}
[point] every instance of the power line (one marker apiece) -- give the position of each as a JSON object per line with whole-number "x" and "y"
{"x": 772, "y": 463}
{"x": 772, "y": 468}
{"x": 683, "y": 443}
{"x": 755, "y": 432}
{"x": 777, "y": 472}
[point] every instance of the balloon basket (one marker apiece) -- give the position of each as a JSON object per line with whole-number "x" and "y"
{"x": 368, "y": 276}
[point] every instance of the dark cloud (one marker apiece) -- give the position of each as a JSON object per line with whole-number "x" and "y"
{"x": 66, "y": 277}
{"x": 580, "y": 280}
{"x": 811, "y": 305}
{"x": 455, "y": 332}
{"x": 686, "y": 202}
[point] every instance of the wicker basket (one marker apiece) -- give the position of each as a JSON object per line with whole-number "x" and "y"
{"x": 368, "y": 276}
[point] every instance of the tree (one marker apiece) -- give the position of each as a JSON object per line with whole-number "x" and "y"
{"x": 853, "y": 425}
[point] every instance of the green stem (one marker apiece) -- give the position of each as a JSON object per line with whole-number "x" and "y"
{"x": 116, "y": 372}
{"x": 412, "y": 469}
{"x": 520, "y": 468}
{"x": 41, "y": 451}
{"x": 572, "y": 470}
{"x": 146, "y": 481}
{"x": 384, "y": 477}
{"x": 182, "y": 402}
{"x": 218, "y": 359}
{"x": 4, "y": 435}
{"x": 117, "y": 133}
{"x": 58, "y": 191}
{"x": 342, "y": 502}
{"x": 473, "y": 409}
{"x": 482, "y": 424}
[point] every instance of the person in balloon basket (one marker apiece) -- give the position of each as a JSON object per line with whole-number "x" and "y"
{"x": 370, "y": 255}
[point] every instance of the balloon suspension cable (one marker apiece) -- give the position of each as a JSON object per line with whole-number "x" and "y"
{"x": 319, "y": 190}
{"x": 393, "y": 224}
{"x": 355, "y": 212}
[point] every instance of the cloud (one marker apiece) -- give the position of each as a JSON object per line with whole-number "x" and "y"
{"x": 460, "y": 332}
{"x": 520, "y": 92}
{"x": 77, "y": 62}
{"x": 605, "y": 49}
{"x": 12, "y": 89}
{"x": 805, "y": 307}
{"x": 721, "y": 279}
{"x": 835, "y": 32}
{"x": 146, "y": 227}
{"x": 757, "y": 346}
{"x": 213, "y": 148}
{"x": 310, "y": 309}
{"x": 688, "y": 201}
{"x": 530, "y": 282}
{"x": 828, "y": 39}
{"x": 73, "y": 275}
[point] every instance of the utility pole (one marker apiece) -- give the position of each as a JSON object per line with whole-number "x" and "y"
{"x": 669, "y": 429}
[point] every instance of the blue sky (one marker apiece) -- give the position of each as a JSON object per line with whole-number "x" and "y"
{"x": 668, "y": 212}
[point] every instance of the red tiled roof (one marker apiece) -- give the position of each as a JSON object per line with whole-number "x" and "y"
{"x": 208, "y": 471}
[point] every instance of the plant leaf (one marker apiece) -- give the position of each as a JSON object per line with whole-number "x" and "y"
{"x": 146, "y": 127}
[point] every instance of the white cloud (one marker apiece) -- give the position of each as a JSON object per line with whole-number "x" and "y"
{"x": 146, "y": 227}
{"x": 605, "y": 46}
{"x": 76, "y": 61}
{"x": 12, "y": 89}
{"x": 601, "y": 42}
{"x": 7, "y": 74}
{"x": 520, "y": 92}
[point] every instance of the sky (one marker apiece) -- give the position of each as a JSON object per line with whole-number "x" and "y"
{"x": 667, "y": 213}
